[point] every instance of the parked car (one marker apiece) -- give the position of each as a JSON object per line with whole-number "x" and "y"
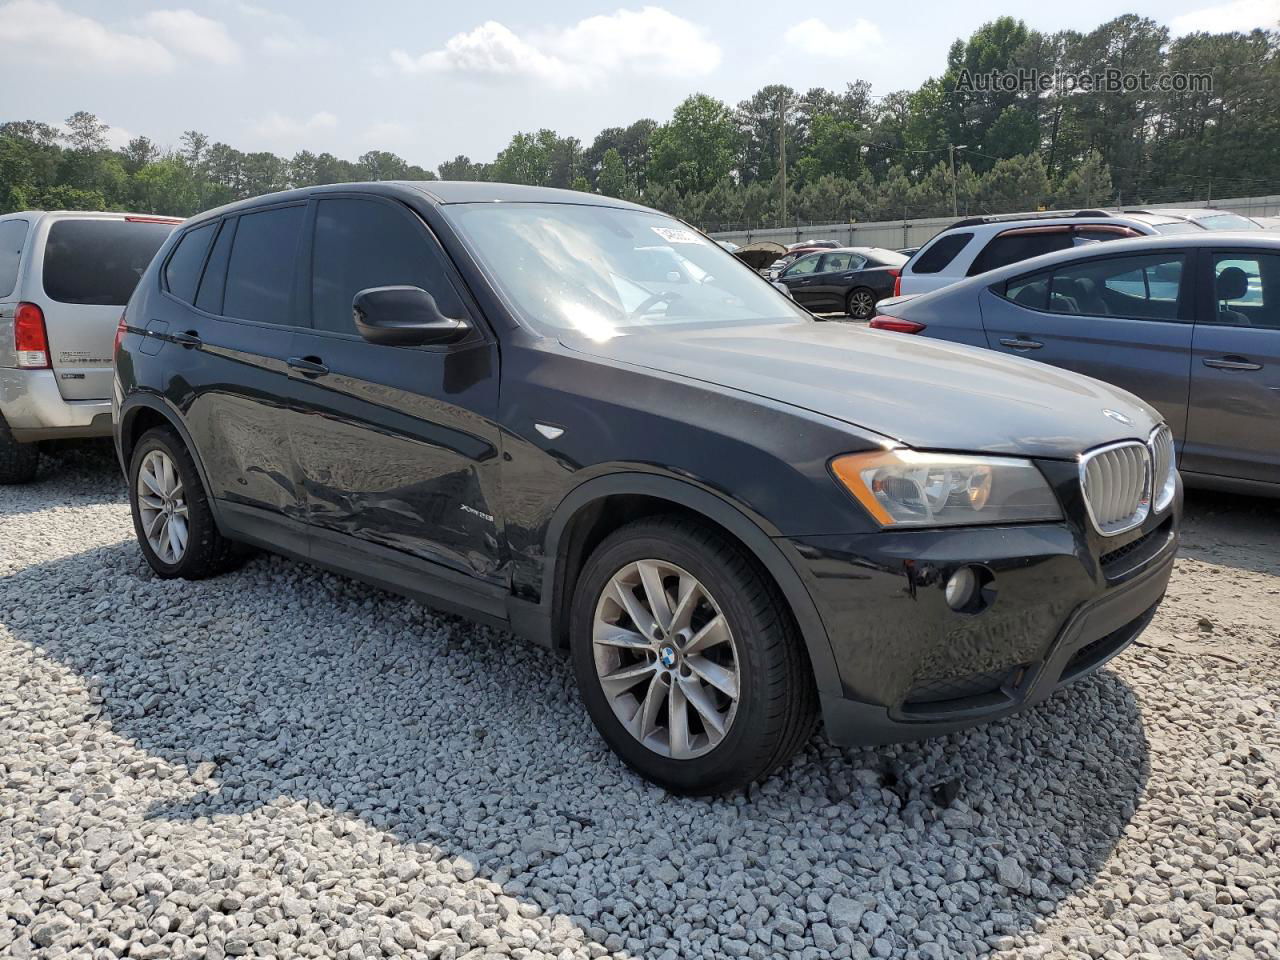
{"x": 1206, "y": 218}
{"x": 850, "y": 280}
{"x": 977, "y": 244}
{"x": 1190, "y": 323}
{"x": 806, "y": 245}
{"x": 731, "y": 516}
{"x": 64, "y": 278}
{"x": 908, "y": 251}
{"x": 794, "y": 253}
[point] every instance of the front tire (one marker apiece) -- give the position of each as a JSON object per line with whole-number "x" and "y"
{"x": 171, "y": 515}
{"x": 687, "y": 659}
{"x": 861, "y": 303}
{"x": 18, "y": 461}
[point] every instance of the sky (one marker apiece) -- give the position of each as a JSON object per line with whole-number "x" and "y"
{"x": 430, "y": 80}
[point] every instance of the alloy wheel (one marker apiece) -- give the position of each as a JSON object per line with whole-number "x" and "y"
{"x": 666, "y": 659}
{"x": 162, "y": 506}
{"x": 861, "y": 304}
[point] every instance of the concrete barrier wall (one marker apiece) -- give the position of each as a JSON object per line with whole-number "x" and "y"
{"x": 894, "y": 234}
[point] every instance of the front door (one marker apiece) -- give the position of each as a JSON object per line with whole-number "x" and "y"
{"x": 799, "y": 278}
{"x": 1233, "y": 429}
{"x": 396, "y": 446}
{"x": 1122, "y": 319}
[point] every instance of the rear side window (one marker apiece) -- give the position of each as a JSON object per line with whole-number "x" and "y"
{"x": 943, "y": 250}
{"x": 260, "y": 271}
{"x": 367, "y": 243}
{"x": 1016, "y": 246}
{"x": 1143, "y": 288}
{"x": 99, "y": 261}
{"x": 182, "y": 272}
{"x": 13, "y": 235}
{"x": 214, "y": 280}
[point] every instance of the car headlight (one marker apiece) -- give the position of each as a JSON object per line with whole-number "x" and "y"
{"x": 907, "y": 488}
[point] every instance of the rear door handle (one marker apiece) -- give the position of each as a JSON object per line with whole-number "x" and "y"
{"x": 308, "y": 366}
{"x": 1231, "y": 363}
{"x": 1017, "y": 343}
{"x": 188, "y": 339}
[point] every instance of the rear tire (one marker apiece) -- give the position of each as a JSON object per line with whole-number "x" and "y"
{"x": 18, "y": 461}
{"x": 861, "y": 303}
{"x": 172, "y": 518}
{"x": 755, "y": 652}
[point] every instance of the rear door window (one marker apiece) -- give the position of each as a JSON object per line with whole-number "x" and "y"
{"x": 369, "y": 243}
{"x": 836, "y": 262}
{"x": 182, "y": 272}
{"x": 214, "y": 280}
{"x": 13, "y": 236}
{"x": 939, "y": 255}
{"x": 260, "y": 272}
{"x": 1144, "y": 288}
{"x": 99, "y": 261}
{"x": 1014, "y": 246}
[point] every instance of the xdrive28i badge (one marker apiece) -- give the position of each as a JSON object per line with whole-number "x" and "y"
{"x": 1117, "y": 416}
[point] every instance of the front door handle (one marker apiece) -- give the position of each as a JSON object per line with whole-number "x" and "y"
{"x": 187, "y": 339}
{"x": 1017, "y": 343}
{"x": 1231, "y": 363}
{"x": 308, "y": 366}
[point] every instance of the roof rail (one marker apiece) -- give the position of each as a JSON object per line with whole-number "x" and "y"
{"x": 1039, "y": 215}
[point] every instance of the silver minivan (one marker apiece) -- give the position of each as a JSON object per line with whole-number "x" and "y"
{"x": 64, "y": 280}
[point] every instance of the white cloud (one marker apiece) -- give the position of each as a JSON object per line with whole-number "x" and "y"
{"x": 650, "y": 41}
{"x": 42, "y": 30}
{"x": 276, "y": 126}
{"x": 815, "y": 38}
{"x": 1242, "y": 15}
{"x": 186, "y": 32}
{"x": 284, "y": 36}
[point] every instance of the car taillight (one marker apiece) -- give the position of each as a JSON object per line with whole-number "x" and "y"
{"x": 896, "y": 324}
{"x": 897, "y": 281}
{"x": 29, "y": 337}
{"x": 121, "y": 329}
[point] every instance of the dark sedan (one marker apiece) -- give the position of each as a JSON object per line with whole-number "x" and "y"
{"x": 849, "y": 280}
{"x": 1190, "y": 323}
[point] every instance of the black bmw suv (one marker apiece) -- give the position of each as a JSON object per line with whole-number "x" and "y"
{"x": 577, "y": 419}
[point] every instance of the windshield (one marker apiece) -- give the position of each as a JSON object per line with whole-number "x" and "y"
{"x": 1179, "y": 226}
{"x": 1227, "y": 221}
{"x": 605, "y": 272}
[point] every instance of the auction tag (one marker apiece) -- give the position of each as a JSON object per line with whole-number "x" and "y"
{"x": 676, "y": 235}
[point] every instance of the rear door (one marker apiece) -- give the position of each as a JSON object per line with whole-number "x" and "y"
{"x": 232, "y": 352}
{"x": 87, "y": 269}
{"x": 397, "y": 447}
{"x": 1124, "y": 319}
{"x": 1233, "y": 427}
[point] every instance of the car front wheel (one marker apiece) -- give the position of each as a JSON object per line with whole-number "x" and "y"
{"x": 687, "y": 660}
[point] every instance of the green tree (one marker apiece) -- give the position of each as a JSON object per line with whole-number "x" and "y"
{"x": 698, "y": 148}
{"x": 612, "y": 181}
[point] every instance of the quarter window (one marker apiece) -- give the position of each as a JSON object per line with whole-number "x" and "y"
{"x": 182, "y": 272}
{"x": 368, "y": 243}
{"x": 1247, "y": 290}
{"x": 260, "y": 271}
{"x": 13, "y": 235}
{"x": 940, "y": 253}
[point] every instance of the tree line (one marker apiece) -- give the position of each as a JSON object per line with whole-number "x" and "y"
{"x": 851, "y": 156}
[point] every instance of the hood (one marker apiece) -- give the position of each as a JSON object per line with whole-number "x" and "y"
{"x": 927, "y": 394}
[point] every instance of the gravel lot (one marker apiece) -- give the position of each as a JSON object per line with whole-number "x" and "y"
{"x": 283, "y": 763}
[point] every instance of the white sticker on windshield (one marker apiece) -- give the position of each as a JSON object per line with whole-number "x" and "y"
{"x": 676, "y": 235}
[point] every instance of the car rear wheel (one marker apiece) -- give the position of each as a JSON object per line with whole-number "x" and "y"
{"x": 171, "y": 515}
{"x": 18, "y": 461}
{"x": 861, "y": 303}
{"x": 687, "y": 660}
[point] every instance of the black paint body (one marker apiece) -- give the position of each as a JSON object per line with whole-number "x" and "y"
{"x": 420, "y": 469}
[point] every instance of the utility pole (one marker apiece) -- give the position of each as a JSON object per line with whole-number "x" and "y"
{"x": 782, "y": 149}
{"x": 955, "y": 202}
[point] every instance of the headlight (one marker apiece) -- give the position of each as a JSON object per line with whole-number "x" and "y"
{"x": 906, "y": 488}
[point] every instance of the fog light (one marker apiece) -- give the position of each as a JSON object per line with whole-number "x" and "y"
{"x": 962, "y": 586}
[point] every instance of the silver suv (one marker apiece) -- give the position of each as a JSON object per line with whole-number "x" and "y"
{"x": 64, "y": 280}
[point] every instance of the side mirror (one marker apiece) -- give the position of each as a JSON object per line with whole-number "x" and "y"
{"x": 404, "y": 317}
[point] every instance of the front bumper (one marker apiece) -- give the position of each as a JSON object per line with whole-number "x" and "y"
{"x": 1063, "y": 601}
{"x": 35, "y": 410}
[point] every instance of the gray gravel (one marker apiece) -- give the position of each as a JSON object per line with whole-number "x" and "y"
{"x": 284, "y": 763}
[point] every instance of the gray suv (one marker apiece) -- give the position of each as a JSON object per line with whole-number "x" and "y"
{"x": 64, "y": 280}
{"x": 1190, "y": 323}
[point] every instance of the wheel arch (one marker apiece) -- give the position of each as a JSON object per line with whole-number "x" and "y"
{"x": 597, "y": 507}
{"x": 144, "y": 412}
